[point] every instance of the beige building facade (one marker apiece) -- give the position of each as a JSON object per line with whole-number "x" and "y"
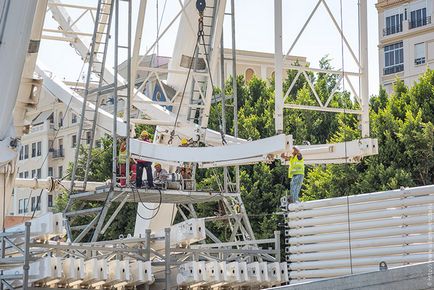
{"x": 406, "y": 40}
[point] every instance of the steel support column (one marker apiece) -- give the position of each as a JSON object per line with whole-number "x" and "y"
{"x": 364, "y": 63}
{"x": 278, "y": 62}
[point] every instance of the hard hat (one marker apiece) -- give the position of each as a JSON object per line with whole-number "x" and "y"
{"x": 296, "y": 148}
{"x": 144, "y": 134}
{"x": 157, "y": 164}
{"x": 184, "y": 141}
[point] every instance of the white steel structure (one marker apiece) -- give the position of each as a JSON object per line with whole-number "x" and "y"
{"x": 190, "y": 75}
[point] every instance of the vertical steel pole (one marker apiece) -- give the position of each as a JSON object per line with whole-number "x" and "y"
{"x": 26, "y": 266}
{"x": 234, "y": 88}
{"x": 364, "y": 62}
{"x": 223, "y": 96}
{"x": 278, "y": 63}
{"x": 277, "y": 245}
{"x": 167, "y": 257}
{"x": 115, "y": 96}
{"x": 147, "y": 249}
{"x": 138, "y": 39}
{"x": 129, "y": 94}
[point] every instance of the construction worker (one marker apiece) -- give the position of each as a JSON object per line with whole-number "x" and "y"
{"x": 185, "y": 171}
{"x": 184, "y": 142}
{"x": 122, "y": 162}
{"x": 144, "y": 136}
{"x": 160, "y": 175}
{"x": 295, "y": 172}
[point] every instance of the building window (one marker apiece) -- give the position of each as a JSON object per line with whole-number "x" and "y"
{"x": 21, "y": 174}
{"x": 26, "y": 174}
{"x": 88, "y": 137}
{"x": 26, "y": 205}
{"x": 22, "y": 153}
{"x": 50, "y": 200}
{"x": 60, "y": 119}
{"x": 50, "y": 171}
{"x": 60, "y": 171}
{"x": 74, "y": 141}
{"x": 39, "y": 148}
{"x": 419, "y": 53}
{"x": 26, "y": 151}
{"x": 38, "y": 173}
{"x": 61, "y": 147}
{"x": 393, "y": 58}
{"x": 21, "y": 206}
{"x": 249, "y": 74}
{"x": 74, "y": 118}
{"x": 418, "y": 18}
{"x": 36, "y": 203}
{"x": 33, "y": 173}
{"x": 393, "y": 24}
{"x": 33, "y": 150}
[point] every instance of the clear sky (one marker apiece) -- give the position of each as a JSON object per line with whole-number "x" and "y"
{"x": 254, "y": 31}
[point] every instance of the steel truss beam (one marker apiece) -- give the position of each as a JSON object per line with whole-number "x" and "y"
{"x": 362, "y": 97}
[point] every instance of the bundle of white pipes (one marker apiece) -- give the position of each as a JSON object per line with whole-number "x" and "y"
{"x": 348, "y": 235}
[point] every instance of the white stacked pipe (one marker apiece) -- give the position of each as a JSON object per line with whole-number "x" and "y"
{"x": 392, "y": 226}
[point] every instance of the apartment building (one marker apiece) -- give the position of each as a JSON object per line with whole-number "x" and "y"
{"x": 46, "y": 150}
{"x": 406, "y": 40}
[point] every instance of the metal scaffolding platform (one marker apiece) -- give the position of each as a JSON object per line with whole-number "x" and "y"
{"x": 153, "y": 195}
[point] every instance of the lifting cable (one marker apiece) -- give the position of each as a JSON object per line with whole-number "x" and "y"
{"x": 200, "y": 5}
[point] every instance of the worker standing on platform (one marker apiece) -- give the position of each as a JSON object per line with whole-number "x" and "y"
{"x": 295, "y": 172}
{"x": 144, "y": 136}
{"x": 122, "y": 162}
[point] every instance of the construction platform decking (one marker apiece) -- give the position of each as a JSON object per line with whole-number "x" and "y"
{"x": 153, "y": 195}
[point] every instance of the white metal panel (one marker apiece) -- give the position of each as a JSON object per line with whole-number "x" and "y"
{"x": 230, "y": 153}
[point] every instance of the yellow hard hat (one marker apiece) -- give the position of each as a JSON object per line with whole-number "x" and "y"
{"x": 157, "y": 164}
{"x": 144, "y": 134}
{"x": 184, "y": 141}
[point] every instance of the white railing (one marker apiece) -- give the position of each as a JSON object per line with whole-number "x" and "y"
{"x": 348, "y": 235}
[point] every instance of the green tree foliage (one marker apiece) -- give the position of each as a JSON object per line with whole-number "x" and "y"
{"x": 402, "y": 122}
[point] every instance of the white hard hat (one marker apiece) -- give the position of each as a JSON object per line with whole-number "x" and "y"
{"x": 296, "y": 148}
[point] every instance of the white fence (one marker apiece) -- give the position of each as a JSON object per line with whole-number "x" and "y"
{"x": 345, "y": 235}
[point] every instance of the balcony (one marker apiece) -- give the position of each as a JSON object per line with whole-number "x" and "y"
{"x": 392, "y": 30}
{"x": 419, "y": 22}
{"x": 393, "y": 69}
{"x": 57, "y": 153}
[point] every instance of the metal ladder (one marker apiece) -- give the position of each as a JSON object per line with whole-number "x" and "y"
{"x": 199, "y": 83}
{"x": 94, "y": 82}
